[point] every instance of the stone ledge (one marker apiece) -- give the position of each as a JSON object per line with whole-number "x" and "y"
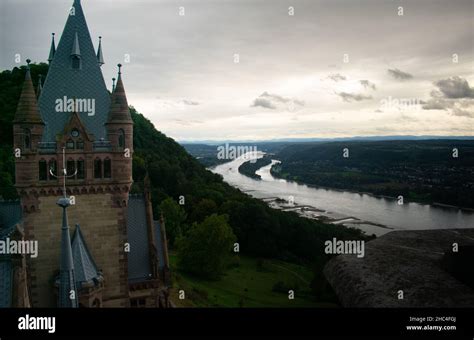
{"x": 402, "y": 260}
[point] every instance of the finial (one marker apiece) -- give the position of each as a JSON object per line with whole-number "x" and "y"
{"x": 113, "y": 84}
{"x": 52, "y": 49}
{"x": 28, "y": 61}
{"x": 119, "y": 67}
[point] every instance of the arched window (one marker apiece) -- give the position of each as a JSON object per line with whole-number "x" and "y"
{"x": 97, "y": 168}
{"x": 107, "y": 168}
{"x": 70, "y": 168}
{"x": 121, "y": 138}
{"x": 43, "y": 170}
{"x": 27, "y": 138}
{"x": 80, "y": 169}
{"x": 53, "y": 168}
{"x": 80, "y": 144}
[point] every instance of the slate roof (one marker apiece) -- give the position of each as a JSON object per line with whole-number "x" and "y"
{"x": 27, "y": 108}
{"x": 119, "y": 111}
{"x": 84, "y": 83}
{"x": 52, "y": 49}
{"x": 85, "y": 268}
{"x": 10, "y": 216}
{"x": 100, "y": 54}
{"x": 138, "y": 257}
{"x": 5, "y": 283}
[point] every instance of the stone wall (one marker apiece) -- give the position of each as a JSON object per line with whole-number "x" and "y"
{"x": 102, "y": 220}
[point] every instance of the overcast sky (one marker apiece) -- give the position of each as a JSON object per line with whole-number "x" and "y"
{"x": 291, "y": 79}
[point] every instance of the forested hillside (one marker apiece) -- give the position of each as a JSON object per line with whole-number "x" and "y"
{"x": 421, "y": 170}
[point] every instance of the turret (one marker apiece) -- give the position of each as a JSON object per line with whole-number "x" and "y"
{"x": 27, "y": 110}
{"x": 120, "y": 130}
{"x": 119, "y": 111}
{"x": 27, "y": 132}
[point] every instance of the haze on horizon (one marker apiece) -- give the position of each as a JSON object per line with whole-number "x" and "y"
{"x": 402, "y": 75}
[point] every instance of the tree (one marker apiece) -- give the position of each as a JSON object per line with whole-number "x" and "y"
{"x": 204, "y": 208}
{"x": 175, "y": 217}
{"x": 207, "y": 248}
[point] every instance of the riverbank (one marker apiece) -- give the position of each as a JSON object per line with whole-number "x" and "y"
{"x": 371, "y": 214}
{"x": 277, "y": 174}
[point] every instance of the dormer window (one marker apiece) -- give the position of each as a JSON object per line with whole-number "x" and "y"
{"x": 76, "y": 53}
{"x": 76, "y": 62}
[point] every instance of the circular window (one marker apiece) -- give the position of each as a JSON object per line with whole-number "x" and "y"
{"x": 75, "y": 133}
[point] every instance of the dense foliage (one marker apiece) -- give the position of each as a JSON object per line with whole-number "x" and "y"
{"x": 206, "y": 249}
{"x": 421, "y": 170}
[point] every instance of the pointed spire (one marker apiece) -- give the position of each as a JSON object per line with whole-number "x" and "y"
{"x": 67, "y": 283}
{"x": 40, "y": 86}
{"x": 119, "y": 111}
{"x": 113, "y": 85}
{"x": 52, "y": 50}
{"x": 100, "y": 56}
{"x": 27, "y": 109}
{"x": 85, "y": 269}
{"x": 76, "y": 51}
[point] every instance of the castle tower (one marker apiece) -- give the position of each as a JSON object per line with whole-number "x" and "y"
{"x": 75, "y": 111}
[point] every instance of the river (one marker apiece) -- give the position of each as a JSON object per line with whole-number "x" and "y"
{"x": 372, "y": 214}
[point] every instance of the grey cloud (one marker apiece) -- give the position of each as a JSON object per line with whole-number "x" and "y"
{"x": 453, "y": 94}
{"x": 189, "y": 102}
{"x": 462, "y": 113}
{"x": 263, "y": 102}
{"x": 349, "y": 97}
{"x": 400, "y": 75}
{"x": 455, "y": 87}
{"x": 368, "y": 84}
{"x": 270, "y": 101}
{"x": 437, "y": 104}
{"x": 336, "y": 77}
